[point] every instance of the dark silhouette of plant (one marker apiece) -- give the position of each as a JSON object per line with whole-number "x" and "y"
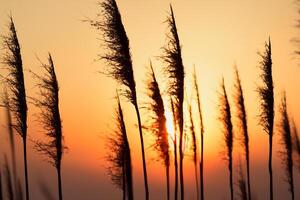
{"x": 118, "y": 58}
{"x": 242, "y": 183}
{"x": 158, "y": 125}
{"x": 15, "y": 81}
{"x": 266, "y": 95}
{"x": 296, "y": 142}
{"x": 175, "y": 150}
{"x": 196, "y": 88}
{"x": 287, "y": 158}
{"x": 8, "y": 180}
{"x": 242, "y": 124}
{"x": 49, "y": 117}
{"x": 11, "y": 137}
{"x": 175, "y": 73}
{"x": 120, "y": 169}
{"x": 225, "y": 118}
{"x": 296, "y": 40}
{"x": 194, "y": 146}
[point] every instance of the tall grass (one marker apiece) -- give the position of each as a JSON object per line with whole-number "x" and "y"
{"x": 242, "y": 183}
{"x": 15, "y": 82}
{"x": 286, "y": 137}
{"x": 225, "y": 119}
{"x": 175, "y": 150}
{"x": 120, "y": 169}
{"x": 158, "y": 125}
{"x": 194, "y": 146}
{"x": 296, "y": 142}
{"x": 175, "y": 72}
{"x": 196, "y": 88}
{"x": 118, "y": 58}
{"x": 266, "y": 94}
{"x": 49, "y": 117}
{"x": 8, "y": 180}
{"x": 11, "y": 137}
{"x": 242, "y": 124}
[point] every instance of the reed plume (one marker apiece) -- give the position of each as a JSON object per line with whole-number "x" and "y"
{"x": 194, "y": 146}
{"x": 296, "y": 142}
{"x": 49, "y": 117}
{"x": 15, "y": 82}
{"x": 242, "y": 183}
{"x": 286, "y": 137}
{"x": 242, "y": 124}
{"x": 175, "y": 150}
{"x": 175, "y": 72}
{"x": 196, "y": 88}
{"x": 158, "y": 124}
{"x": 118, "y": 58}
{"x": 8, "y": 180}
{"x": 266, "y": 94}
{"x": 120, "y": 169}
{"x": 11, "y": 137}
{"x": 225, "y": 119}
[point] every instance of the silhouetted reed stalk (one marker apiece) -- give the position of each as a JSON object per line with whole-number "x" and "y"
{"x": 286, "y": 137}
{"x": 242, "y": 183}
{"x": 266, "y": 95}
{"x": 49, "y": 117}
{"x": 196, "y": 88}
{"x": 225, "y": 118}
{"x": 120, "y": 169}
{"x": 175, "y": 73}
{"x": 175, "y": 151}
{"x": 119, "y": 59}
{"x": 158, "y": 125}
{"x": 15, "y": 83}
{"x": 11, "y": 137}
{"x": 194, "y": 147}
{"x": 242, "y": 124}
{"x": 8, "y": 180}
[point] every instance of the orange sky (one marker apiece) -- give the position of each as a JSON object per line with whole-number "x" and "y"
{"x": 214, "y": 35}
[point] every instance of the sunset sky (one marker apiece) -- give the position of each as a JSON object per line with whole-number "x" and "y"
{"x": 214, "y": 36}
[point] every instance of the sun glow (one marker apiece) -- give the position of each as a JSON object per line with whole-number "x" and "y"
{"x": 169, "y": 123}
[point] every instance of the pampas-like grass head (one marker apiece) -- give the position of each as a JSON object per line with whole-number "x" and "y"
{"x": 286, "y": 138}
{"x": 119, "y": 157}
{"x": 158, "y": 119}
{"x": 49, "y": 116}
{"x": 117, "y": 48}
{"x": 266, "y": 92}
{"x": 15, "y": 80}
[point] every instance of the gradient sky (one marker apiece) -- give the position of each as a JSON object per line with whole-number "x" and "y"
{"x": 214, "y": 36}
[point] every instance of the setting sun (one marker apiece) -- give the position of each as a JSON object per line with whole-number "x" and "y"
{"x": 170, "y": 123}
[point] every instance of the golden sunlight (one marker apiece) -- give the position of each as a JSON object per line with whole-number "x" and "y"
{"x": 169, "y": 123}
